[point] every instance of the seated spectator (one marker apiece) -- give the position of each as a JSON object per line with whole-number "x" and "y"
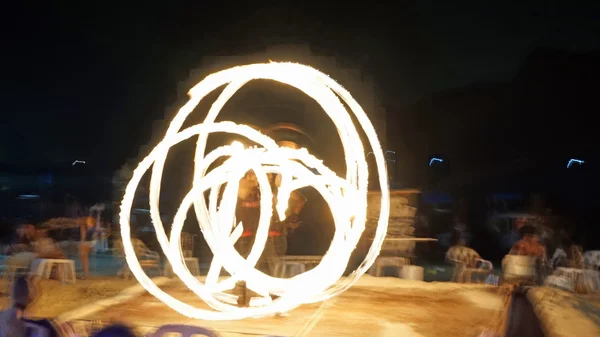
{"x": 568, "y": 255}
{"x": 11, "y": 320}
{"x": 575, "y": 257}
{"x": 116, "y": 330}
{"x": 22, "y": 240}
{"x": 45, "y": 246}
{"x": 529, "y": 245}
{"x": 21, "y": 250}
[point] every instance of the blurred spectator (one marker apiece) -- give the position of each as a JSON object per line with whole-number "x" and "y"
{"x": 529, "y": 245}
{"x": 116, "y": 330}
{"x": 22, "y": 240}
{"x": 88, "y": 235}
{"x": 21, "y": 251}
{"x": 45, "y": 247}
{"x": 11, "y": 320}
{"x": 568, "y": 255}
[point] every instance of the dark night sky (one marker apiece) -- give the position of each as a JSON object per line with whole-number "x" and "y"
{"x": 80, "y": 81}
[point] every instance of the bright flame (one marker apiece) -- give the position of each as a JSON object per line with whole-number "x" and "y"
{"x": 237, "y": 145}
{"x": 346, "y": 197}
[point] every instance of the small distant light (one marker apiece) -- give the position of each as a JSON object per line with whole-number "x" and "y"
{"x": 433, "y": 160}
{"x": 385, "y": 153}
{"x": 141, "y": 210}
{"x": 78, "y": 162}
{"x": 28, "y": 196}
{"x": 574, "y": 161}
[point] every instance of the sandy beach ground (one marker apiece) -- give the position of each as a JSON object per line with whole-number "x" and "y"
{"x": 53, "y": 298}
{"x": 375, "y": 307}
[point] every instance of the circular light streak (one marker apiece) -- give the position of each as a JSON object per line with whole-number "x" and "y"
{"x": 347, "y": 198}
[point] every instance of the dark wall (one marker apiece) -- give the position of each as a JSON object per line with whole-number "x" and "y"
{"x": 535, "y": 122}
{"x": 515, "y": 136}
{"x": 52, "y": 194}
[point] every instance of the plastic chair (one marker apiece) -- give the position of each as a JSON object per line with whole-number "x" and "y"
{"x": 592, "y": 259}
{"x": 149, "y": 260}
{"x": 467, "y": 262}
{"x": 43, "y": 268}
{"x": 184, "y": 330}
{"x": 292, "y": 265}
{"x": 388, "y": 261}
{"x": 192, "y": 264}
{"x": 289, "y": 268}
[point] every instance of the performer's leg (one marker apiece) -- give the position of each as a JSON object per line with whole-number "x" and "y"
{"x": 243, "y": 246}
{"x": 280, "y": 243}
{"x": 272, "y": 257}
{"x": 280, "y": 248}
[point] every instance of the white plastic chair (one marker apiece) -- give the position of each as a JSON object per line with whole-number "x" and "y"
{"x": 592, "y": 280}
{"x": 467, "y": 262}
{"x": 291, "y": 265}
{"x": 388, "y": 261}
{"x": 192, "y": 263}
{"x": 289, "y": 268}
{"x": 592, "y": 259}
{"x": 66, "y": 269}
{"x": 184, "y": 330}
{"x": 588, "y": 279}
{"x": 148, "y": 259}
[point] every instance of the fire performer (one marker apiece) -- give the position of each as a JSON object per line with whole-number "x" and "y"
{"x": 280, "y": 228}
{"x": 248, "y": 213}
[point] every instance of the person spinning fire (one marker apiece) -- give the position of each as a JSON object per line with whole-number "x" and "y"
{"x": 248, "y": 212}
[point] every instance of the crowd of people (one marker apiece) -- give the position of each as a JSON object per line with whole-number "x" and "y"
{"x": 30, "y": 243}
{"x": 530, "y": 244}
{"x": 567, "y": 254}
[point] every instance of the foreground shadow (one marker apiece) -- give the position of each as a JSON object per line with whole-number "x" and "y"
{"x": 522, "y": 320}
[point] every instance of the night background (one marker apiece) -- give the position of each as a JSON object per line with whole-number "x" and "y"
{"x": 506, "y": 95}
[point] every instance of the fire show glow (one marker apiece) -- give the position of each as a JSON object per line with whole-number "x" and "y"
{"x": 347, "y": 198}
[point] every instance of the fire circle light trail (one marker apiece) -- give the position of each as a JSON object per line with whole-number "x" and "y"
{"x": 347, "y": 198}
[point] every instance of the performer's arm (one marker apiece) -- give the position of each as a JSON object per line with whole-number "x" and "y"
{"x": 297, "y": 202}
{"x": 246, "y": 186}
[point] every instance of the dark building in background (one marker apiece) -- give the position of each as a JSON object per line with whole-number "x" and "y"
{"x": 528, "y": 127}
{"x": 35, "y": 197}
{"x": 511, "y": 137}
